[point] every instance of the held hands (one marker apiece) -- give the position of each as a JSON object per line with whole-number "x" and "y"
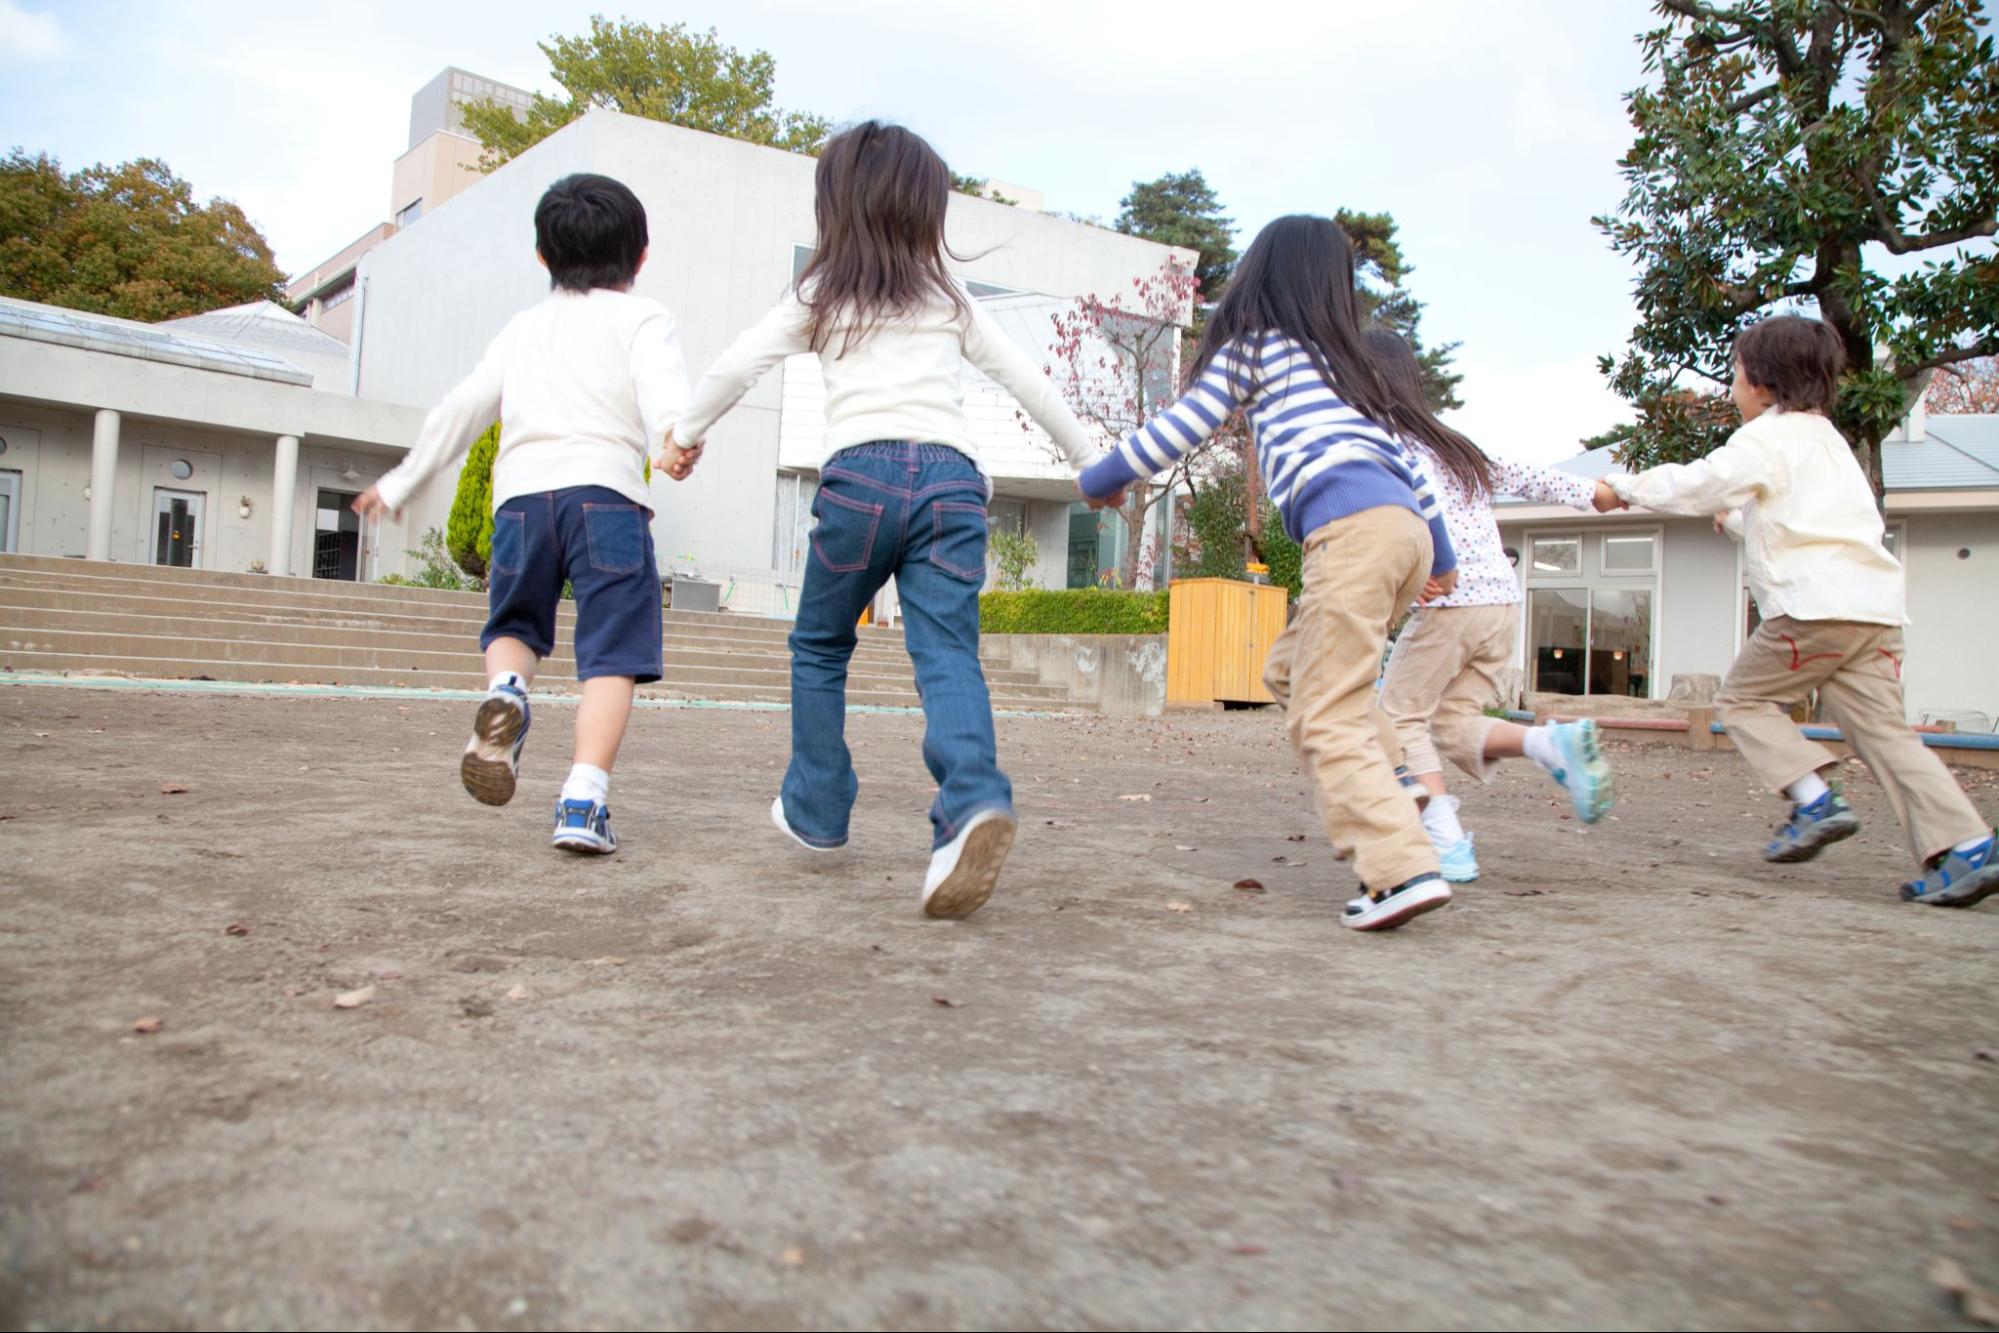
{"x": 677, "y": 460}
{"x": 1438, "y": 585}
{"x": 1115, "y": 500}
{"x": 1607, "y": 498}
{"x": 370, "y": 504}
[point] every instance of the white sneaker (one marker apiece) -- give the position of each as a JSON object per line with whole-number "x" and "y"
{"x": 777, "y": 818}
{"x": 964, "y": 870}
{"x": 1425, "y": 893}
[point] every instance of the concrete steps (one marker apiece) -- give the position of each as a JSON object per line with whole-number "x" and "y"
{"x": 72, "y": 616}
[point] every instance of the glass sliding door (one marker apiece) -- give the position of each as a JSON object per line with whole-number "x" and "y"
{"x": 1620, "y": 642}
{"x": 1558, "y": 637}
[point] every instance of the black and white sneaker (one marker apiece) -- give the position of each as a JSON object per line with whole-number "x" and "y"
{"x": 1391, "y": 907}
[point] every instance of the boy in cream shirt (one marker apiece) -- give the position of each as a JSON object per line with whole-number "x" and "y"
{"x": 1787, "y": 486}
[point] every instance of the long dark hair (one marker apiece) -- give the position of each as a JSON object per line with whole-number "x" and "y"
{"x": 1296, "y": 280}
{"x": 1413, "y": 417}
{"x": 879, "y": 198}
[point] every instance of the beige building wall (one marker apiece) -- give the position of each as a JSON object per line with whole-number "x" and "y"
{"x": 442, "y": 166}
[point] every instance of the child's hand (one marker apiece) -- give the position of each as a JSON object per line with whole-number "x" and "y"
{"x": 1432, "y": 590}
{"x": 1115, "y": 500}
{"x": 677, "y": 460}
{"x": 1721, "y": 522}
{"x": 370, "y": 504}
{"x": 1607, "y": 498}
{"x": 1440, "y": 585}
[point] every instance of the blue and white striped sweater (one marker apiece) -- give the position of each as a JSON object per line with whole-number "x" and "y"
{"x": 1321, "y": 459}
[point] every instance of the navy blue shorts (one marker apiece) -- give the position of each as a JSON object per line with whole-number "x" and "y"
{"x": 601, "y": 543}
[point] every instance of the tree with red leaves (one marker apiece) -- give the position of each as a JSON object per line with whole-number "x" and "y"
{"x": 1963, "y": 389}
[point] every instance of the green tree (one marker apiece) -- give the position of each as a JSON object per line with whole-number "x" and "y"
{"x": 661, "y": 72}
{"x": 1385, "y": 298}
{"x": 130, "y": 241}
{"x": 468, "y": 531}
{"x": 1183, "y": 209}
{"x": 979, "y": 188}
{"x": 1783, "y": 146}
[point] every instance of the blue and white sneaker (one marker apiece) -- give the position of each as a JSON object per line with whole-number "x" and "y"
{"x": 584, "y": 826}
{"x": 492, "y": 761}
{"x": 1584, "y": 771}
{"x": 1960, "y": 879}
{"x": 1459, "y": 862}
{"x": 1813, "y": 828}
{"x": 1392, "y": 907}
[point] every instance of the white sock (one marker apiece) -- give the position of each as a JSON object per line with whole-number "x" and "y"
{"x": 513, "y": 678}
{"x": 586, "y": 782}
{"x": 1539, "y": 743}
{"x": 1970, "y": 845}
{"x": 1440, "y": 820}
{"x": 1807, "y": 789}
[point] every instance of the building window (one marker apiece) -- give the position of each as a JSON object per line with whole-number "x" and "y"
{"x": 1892, "y": 537}
{"x": 338, "y": 297}
{"x": 1555, "y": 555}
{"x": 409, "y": 213}
{"x": 1635, "y": 554}
{"x": 1007, "y": 516}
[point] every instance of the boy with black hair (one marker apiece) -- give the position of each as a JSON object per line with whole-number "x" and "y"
{"x": 584, "y": 385}
{"x": 1787, "y": 486}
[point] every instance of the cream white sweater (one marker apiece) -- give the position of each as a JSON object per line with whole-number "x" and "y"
{"x": 1807, "y": 519}
{"x": 902, "y": 382}
{"x": 585, "y": 385}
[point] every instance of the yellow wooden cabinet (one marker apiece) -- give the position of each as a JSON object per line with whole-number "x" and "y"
{"x": 1218, "y": 634}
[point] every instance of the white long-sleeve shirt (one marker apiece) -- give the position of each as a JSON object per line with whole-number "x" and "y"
{"x": 1809, "y": 526}
{"x": 1485, "y": 576}
{"x": 901, "y": 382}
{"x": 584, "y": 385}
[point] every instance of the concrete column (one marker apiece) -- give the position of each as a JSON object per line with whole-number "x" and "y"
{"x": 284, "y": 491}
{"x": 103, "y": 477}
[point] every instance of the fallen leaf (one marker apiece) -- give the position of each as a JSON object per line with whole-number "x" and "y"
{"x": 473, "y": 1006}
{"x": 172, "y": 788}
{"x": 517, "y": 991}
{"x": 792, "y": 1257}
{"x": 1534, "y": 893}
{"x": 354, "y": 999}
{"x": 943, "y": 1003}
{"x": 1989, "y": 1056}
{"x": 605, "y": 961}
{"x": 1250, "y": 885}
{"x": 1976, "y": 1302}
{"x": 1295, "y": 837}
{"x": 1179, "y": 907}
{"x": 1961, "y": 1222}
{"x": 1718, "y": 1200}
{"x": 236, "y": 928}
{"x": 1179, "y": 848}
{"x": 1247, "y": 1249}
{"x": 148, "y": 1025}
{"x": 1141, "y": 796}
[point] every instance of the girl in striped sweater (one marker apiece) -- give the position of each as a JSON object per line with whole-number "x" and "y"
{"x": 1284, "y": 345}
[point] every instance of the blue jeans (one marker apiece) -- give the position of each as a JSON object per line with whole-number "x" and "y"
{"x": 916, "y": 512}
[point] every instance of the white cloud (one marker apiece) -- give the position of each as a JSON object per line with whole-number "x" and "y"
{"x": 1536, "y": 413}
{"x": 26, "y": 38}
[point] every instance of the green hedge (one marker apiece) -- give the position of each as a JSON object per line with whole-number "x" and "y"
{"x": 1073, "y": 611}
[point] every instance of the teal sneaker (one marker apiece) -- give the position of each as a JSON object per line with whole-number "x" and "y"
{"x": 1460, "y": 865}
{"x": 1813, "y": 828}
{"x": 1584, "y": 771}
{"x": 1958, "y": 879}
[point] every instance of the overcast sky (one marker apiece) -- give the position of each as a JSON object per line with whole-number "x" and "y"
{"x": 1491, "y": 131}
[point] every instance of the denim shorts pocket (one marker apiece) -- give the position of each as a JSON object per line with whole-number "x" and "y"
{"x": 958, "y": 539}
{"x": 844, "y": 536}
{"x": 616, "y": 535}
{"x": 509, "y": 535}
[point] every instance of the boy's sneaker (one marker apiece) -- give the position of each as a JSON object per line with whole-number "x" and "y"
{"x": 1392, "y": 907}
{"x": 583, "y": 826}
{"x": 784, "y": 825}
{"x": 1960, "y": 879}
{"x": 1584, "y": 771}
{"x": 963, "y": 871}
{"x": 492, "y": 759}
{"x": 1460, "y": 864}
{"x": 1813, "y": 828}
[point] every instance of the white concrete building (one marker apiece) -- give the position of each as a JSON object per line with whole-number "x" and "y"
{"x": 731, "y": 223}
{"x": 1622, "y": 603}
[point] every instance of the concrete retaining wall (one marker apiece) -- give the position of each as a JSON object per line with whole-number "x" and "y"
{"x": 1121, "y": 674}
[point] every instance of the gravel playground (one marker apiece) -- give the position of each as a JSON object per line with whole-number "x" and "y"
{"x": 1634, "y": 1078}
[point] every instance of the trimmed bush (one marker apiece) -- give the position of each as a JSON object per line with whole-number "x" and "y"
{"x": 468, "y": 533}
{"x": 1073, "y": 611}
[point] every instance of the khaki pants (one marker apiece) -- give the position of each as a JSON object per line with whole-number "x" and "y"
{"x": 1443, "y": 674}
{"x": 1360, "y": 572}
{"x": 1857, "y": 670}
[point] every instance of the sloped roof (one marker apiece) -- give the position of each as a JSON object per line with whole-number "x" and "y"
{"x": 261, "y": 324}
{"x": 147, "y": 342}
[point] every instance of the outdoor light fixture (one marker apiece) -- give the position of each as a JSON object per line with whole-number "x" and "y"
{"x": 1617, "y": 656}
{"x": 243, "y": 507}
{"x": 1558, "y": 654}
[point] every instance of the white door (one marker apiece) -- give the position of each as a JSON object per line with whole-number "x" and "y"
{"x": 10, "y": 512}
{"x": 177, "y": 520}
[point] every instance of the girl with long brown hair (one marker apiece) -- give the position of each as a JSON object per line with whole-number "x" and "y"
{"x": 902, "y": 492}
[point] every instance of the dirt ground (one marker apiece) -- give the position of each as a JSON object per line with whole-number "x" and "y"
{"x": 1634, "y": 1078}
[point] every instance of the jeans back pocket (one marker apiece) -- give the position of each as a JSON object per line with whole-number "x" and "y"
{"x": 616, "y": 535}
{"x": 844, "y": 537}
{"x": 509, "y": 536}
{"x": 958, "y": 539}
